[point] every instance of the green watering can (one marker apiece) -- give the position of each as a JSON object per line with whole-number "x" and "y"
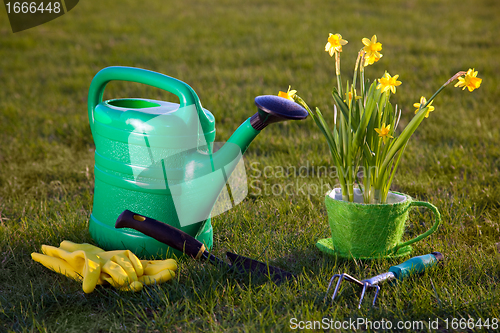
{"x": 156, "y": 158}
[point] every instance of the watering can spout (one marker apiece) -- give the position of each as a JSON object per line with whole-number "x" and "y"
{"x": 271, "y": 109}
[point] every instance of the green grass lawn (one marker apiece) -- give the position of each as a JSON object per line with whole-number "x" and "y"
{"x": 230, "y": 52}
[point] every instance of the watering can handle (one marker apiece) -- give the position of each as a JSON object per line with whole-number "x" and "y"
{"x": 434, "y": 227}
{"x": 186, "y": 94}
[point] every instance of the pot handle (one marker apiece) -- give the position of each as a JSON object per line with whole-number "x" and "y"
{"x": 434, "y": 227}
{"x": 186, "y": 94}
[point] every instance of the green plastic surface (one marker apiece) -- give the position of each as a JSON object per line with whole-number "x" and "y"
{"x": 133, "y": 103}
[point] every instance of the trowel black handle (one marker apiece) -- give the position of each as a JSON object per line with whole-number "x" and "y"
{"x": 273, "y": 109}
{"x": 162, "y": 232}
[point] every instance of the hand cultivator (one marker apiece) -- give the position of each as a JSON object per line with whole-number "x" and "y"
{"x": 410, "y": 267}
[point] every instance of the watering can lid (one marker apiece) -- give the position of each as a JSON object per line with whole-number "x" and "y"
{"x": 150, "y": 117}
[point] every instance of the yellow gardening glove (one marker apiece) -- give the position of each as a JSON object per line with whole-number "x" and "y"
{"x": 121, "y": 268}
{"x": 158, "y": 271}
{"x": 72, "y": 247}
{"x": 81, "y": 264}
{"x": 92, "y": 265}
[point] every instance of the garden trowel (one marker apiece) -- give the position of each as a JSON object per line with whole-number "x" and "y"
{"x": 189, "y": 245}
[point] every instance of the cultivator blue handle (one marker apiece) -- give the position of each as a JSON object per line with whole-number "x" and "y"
{"x": 415, "y": 265}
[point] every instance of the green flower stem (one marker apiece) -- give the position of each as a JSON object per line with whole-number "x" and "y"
{"x": 337, "y": 72}
{"x": 436, "y": 93}
{"x": 355, "y": 75}
{"x": 362, "y": 77}
{"x": 350, "y": 161}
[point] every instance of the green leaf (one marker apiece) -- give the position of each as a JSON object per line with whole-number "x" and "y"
{"x": 340, "y": 103}
{"x": 320, "y": 121}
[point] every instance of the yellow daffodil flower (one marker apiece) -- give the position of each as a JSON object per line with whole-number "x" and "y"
{"x": 470, "y": 81}
{"x": 372, "y": 48}
{"x": 334, "y": 44}
{"x": 383, "y": 132}
{"x": 371, "y": 59}
{"x": 290, "y": 94}
{"x": 422, "y": 102}
{"x": 388, "y": 83}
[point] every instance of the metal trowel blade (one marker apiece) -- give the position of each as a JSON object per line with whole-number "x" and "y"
{"x": 245, "y": 264}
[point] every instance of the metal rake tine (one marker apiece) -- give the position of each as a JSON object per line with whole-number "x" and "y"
{"x": 341, "y": 278}
{"x": 365, "y": 286}
{"x": 330, "y": 284}
{"x": 376, "y": 293}
{"x": 337, "y": 287}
